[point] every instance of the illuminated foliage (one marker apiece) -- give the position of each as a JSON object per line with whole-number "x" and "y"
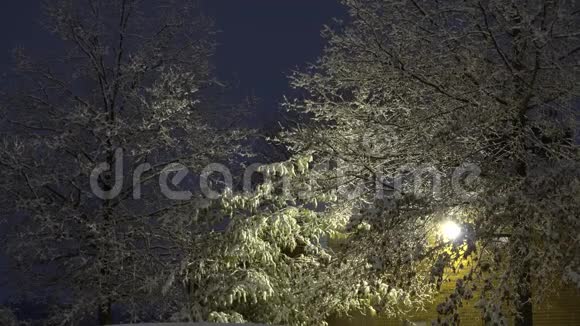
{"x": 409, "y": 89}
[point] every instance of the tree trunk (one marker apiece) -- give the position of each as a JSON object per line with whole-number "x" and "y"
{"x": 525, "y": 307}
{"x": 105, "y": 314}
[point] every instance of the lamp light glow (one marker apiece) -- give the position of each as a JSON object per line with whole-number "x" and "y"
{"x": 451, "y": 230}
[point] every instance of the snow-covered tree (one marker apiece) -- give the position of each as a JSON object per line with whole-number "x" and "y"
{"x": 128, "y": 96}
{"x": 422, "y": 87}
{"x": 7, "y": 317}
{"x": 272, "y": 262}
{"x": 479, "y": 99}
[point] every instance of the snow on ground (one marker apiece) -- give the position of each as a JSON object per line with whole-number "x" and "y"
{"x": 186, "y": 324}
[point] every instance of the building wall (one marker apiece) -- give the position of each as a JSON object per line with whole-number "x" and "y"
{"x": 562, "y": 309}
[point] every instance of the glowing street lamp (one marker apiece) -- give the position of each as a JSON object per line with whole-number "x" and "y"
{"x": 451, "y": 230}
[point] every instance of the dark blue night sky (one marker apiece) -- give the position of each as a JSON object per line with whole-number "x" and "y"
{"x": 263, "y": 40}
